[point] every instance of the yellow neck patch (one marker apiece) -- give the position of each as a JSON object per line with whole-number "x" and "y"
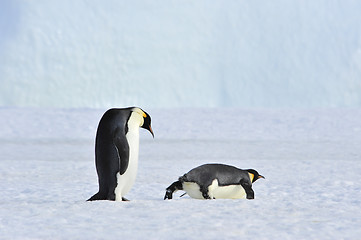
{"x": 251, "y": 176}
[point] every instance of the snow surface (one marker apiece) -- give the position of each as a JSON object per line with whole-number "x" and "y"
{"x": 169, "y": 53}
{"x": 310, "y": 158}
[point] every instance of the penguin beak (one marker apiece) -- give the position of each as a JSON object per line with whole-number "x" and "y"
{"x": 151, "y": 130}
{"x": 260, "y": 176}
{"x": 146, "y": 123}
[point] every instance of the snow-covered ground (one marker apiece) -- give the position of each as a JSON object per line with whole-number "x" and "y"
{"x": 310, "y": 158}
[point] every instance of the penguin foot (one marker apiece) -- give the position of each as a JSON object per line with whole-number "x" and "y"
{"x": 124, "y": 199}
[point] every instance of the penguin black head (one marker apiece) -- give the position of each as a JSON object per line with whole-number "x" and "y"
{"x": 255, "y": 175}
{"x": 147, "y": 123}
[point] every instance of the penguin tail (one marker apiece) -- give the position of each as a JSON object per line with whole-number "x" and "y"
{"x": 173, "y": 188}
{"x": 97, "y": 196}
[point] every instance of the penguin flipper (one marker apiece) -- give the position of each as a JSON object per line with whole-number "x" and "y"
{"x": 248, "y": 189}
{"x": 204, "y": 191}
{"x": 122, "y": 146}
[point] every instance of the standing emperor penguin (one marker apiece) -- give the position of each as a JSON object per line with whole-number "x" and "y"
{"x": 116, "y": 151}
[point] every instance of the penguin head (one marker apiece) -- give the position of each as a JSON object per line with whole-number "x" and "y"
{"x": 254, "y": 175}
{"x": 146, "y": 120}
{"x": 146, "y": 124}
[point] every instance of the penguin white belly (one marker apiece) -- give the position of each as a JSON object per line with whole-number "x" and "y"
{"x": 215, "y": 191}
{"x": 225, "y": 192}
{"x": 126, "y": 181}
{"x": 192, "y": 190}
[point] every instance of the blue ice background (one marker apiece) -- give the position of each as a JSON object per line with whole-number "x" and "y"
{"x": 170, "y": 53}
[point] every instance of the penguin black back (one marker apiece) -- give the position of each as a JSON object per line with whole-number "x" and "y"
{"x": 226, "y": 174}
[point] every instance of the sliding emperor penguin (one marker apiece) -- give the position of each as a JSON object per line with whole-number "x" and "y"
{"x": 214, "y": 181}
{"x": 116, "y": 151}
